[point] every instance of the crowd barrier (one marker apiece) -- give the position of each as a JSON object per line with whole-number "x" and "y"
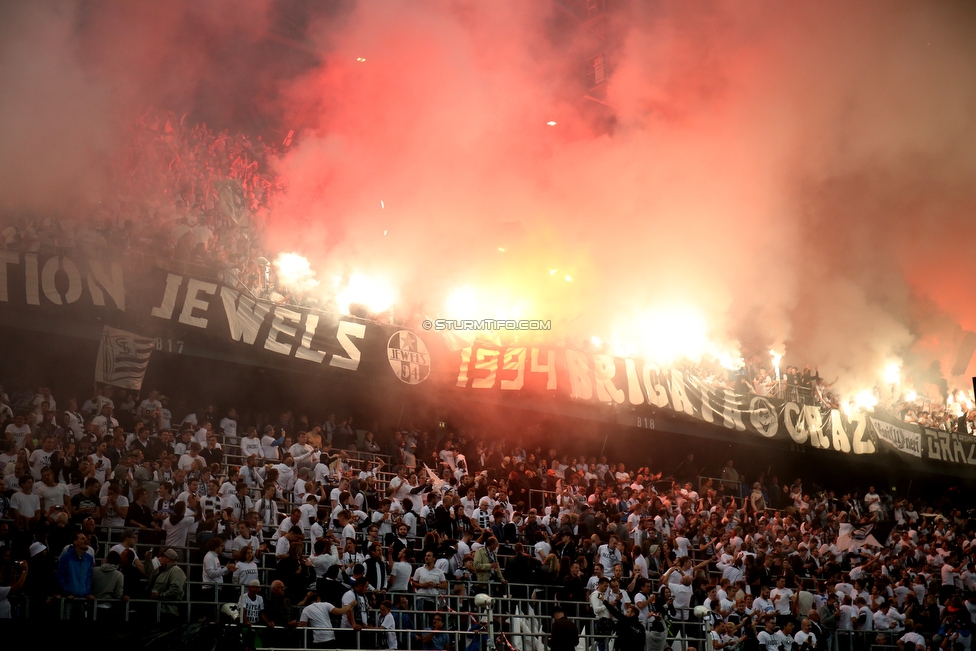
{"x": 524, "y": 631}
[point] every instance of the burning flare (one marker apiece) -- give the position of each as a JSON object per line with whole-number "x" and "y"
{"x": 375, "y": 294}
{"x": 295, "y": 272}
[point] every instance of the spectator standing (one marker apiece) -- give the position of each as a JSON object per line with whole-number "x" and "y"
{"x": 730, "y": 478}
{"x": 108, "y": 581}
{"x": 403, "y": 621}
{"x": 486, "y": 562}
{"x": 603, "y": 625}
{"x": 564, "y": 635}
{"x": 75, "y": 569}
{"x": 782, "y": 599}
{"x": 168, "y": 584}
{"x": 428, "y": 581}
{"x": 829, "y": 614}
{"x": 25, "y": 504}
{"x": 278, "y": 616}
{"x": 317, "y": 615}
{"x": 386, "y": 622}
{"x": 804, "y": 638}
{"x": 251, "y": 605}
{"x": 872, "y": 502}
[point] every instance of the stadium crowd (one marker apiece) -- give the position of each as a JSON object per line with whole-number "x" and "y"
{"x": 112, "y": 504}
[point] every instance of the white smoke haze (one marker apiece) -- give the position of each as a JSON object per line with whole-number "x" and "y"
{"x": 54, "y": 116}
{"x": 799, "y": 176}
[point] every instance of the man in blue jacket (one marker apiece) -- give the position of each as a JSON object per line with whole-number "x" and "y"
{"x": 75, "y": 569}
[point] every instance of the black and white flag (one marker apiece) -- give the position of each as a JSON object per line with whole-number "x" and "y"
{"x": 230, "y": 194}
{"x": 861, "y": 535}
{"x": 123, "y": 358}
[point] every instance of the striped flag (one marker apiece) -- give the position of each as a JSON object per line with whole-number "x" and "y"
{"x": 230, "y": 195}
{"x": 122, "y": 358}
{"x": 858, "y": 535}
{"x": 436, "y": 481}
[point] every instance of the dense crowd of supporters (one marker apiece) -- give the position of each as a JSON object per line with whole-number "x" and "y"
{"x": 322, "y": 524}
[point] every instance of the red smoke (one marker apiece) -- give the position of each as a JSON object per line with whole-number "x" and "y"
{"x": 803, "y": 175}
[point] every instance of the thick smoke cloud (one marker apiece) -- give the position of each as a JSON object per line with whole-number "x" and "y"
{"x": 55, "y": 119}
{"x": 801, "y": 175}
{"x": 76, "y": 76}
{"x": 796, "y": 173}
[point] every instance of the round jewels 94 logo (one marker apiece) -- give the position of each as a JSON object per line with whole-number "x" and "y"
{"x": 408, "y": 356}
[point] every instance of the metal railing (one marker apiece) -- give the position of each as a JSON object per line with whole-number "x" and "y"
{"x": 515, "y": 627}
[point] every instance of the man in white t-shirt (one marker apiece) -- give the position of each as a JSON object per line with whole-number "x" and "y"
{"x": 73, "y": 420}
{"x": 42, "y": 456}
{"x": 270, "y": 443}
{"x": 191, "y": 455}
{"x": 782, "y": 599}
{"x": 165, "y": 415}
{"x": 872, "y": 501}
{"x": 950, "y": 577}
{"x": 447, "y": 456}
{"x": 149, "y": 407}
{"x": 804, "y": 638}
{"x": 25, "y": 504}
{"x": 594, "y": 580}
{"x": 720, "y": 605}
{"x": 316, "y": 614}
{"x": 865, "y": 618}
{"x": 228, "y": 425}
{"x": 18, "y": 431}
{"x": 105, "y": 423}
{"x": 103, "y": 465}
{"x": 844, "y": 589}
{"x": 44, "y": 395}
{"x": 640, "y": 563}
{"x": 294, "y": 520}
{"x": 762, "y": 605}
{"x": 303, "y": 452}
{"x": 428, "y": 581}
{"x": 180, "y": 227}
{"x": 681, "y": 545}
{"x": 912, "y": 640}
{"x": 608, "y": 554}
{"x": 682, "y": 593}
{"x": 286, "y": 472}
{"x": 848, "y": 616}
{"x": 622, "y": 476}
{"x": 51, "y": 492}
{"x": 251, "y": 444}
{"x": 681, "y": 569}
{"x": 251, "y": 603}
{"x": 114, "y": 507}
{"x": 469, "y": 503}
{"x": 387, "y": 622}
{"x": 357, "y": 603}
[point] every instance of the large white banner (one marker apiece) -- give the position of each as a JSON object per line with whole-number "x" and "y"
{"x": 123, "y": 358}
{"x": 903, "y": 440}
